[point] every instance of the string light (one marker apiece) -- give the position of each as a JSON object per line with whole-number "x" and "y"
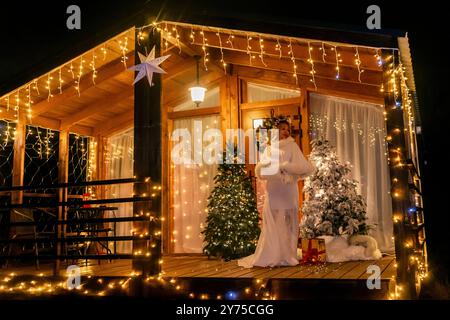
{"x": 124, "y": 50}
{"x": 249, "y": 48}
{"x": 224, "y": 65}
{"x": 294, "y": 65}
{"x": 60, "y": 81}
{"x": 278, "y": 48}
{"x": 230, "y": 40}
{"x": 358, "y": 64}
{"x": 92, "y": 65}
{"x": 337, "y": 55}
{"x": 322, "y": 48}
{"x": 261, "y": 50}
{"x": 28, "y": 104}
{"x": 313, "y": 71}
{"x": 49, "y": 86}
{"x": 177, "y": 38}
{"x": 205, "y": 52}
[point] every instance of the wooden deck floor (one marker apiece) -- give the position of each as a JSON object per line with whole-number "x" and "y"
{"x": 345, "y": 280}
{"x": 202, "y": 267}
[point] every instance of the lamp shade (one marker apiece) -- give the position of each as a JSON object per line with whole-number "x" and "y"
{"x": 197, "y": 94}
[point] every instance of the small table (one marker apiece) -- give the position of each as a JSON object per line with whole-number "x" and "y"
{"x": 93, "y": 229}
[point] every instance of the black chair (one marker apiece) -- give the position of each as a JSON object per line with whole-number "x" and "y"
{"x": 43, "y": 228}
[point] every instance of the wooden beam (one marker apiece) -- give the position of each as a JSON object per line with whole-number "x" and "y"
{"x": 323, "y": 70}
{"x": 193, "y": 113}
{"x": 96, "y": 107}
{"x": 63, "y": 177}
{"x": 19, "y": 160}
{"x": 304, "y": 82}
{"x": 106, "y": 72}
{"x": 179, "y": 68}
{"x": 120, "y": 122}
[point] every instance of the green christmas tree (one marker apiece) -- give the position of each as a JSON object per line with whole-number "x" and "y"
{"x": 232, "y": 225}
{"x": 333, "y": 206}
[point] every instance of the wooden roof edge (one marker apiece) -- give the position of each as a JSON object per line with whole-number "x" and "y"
{"x": 55, "y": 62}
{"x": 348, "y": 34}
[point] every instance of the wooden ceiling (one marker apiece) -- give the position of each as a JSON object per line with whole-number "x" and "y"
{"x": 105, "y": 103}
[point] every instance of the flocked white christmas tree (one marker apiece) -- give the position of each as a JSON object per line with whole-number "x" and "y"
{"x": 333, "y": 206}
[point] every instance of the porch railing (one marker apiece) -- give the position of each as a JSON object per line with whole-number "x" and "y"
{"x": 59, "y": 238}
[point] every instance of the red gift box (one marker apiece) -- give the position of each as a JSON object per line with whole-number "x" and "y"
{"x": 313, "y": 250}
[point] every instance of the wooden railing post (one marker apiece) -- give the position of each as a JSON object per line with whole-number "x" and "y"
{"x": 63, "y": 177}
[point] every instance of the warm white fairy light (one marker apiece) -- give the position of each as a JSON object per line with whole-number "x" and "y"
{"x": 92, "y": 65}
{"x": 205, "y": 52}
{"x": 124, "y": 48}
{"x": 29, "y": 102}
{"x": 71, "y": 70}
{"x": 324, "y": 54}
{"x": 249, "y": 48}
{"x": 103, "y": 50}
{"x": 80, "y": 74}
{"x": 311, "y": 61}
{"x": 7, "y": 102}
{"x": 337, "y": 55}
{"x": 49, "y": 86}
{"x": 17, "y": 105}
{"x": 192, "y": 36}
{"x": 261, "y": 50}
{"x": 278, "y": 48}
{"x": 222, "y": 61}
{"x": 177, "y": 38}
{"x": 230, "y": 40}
{"x": 358, "y": 64}
{"x": 294, "y": 65}
{"x": 60, "y": 81}
{"x": 378, "y": 57}
{"x": 35, "y": 86}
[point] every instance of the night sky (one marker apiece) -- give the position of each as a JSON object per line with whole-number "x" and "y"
{"x": 34, "y": 37}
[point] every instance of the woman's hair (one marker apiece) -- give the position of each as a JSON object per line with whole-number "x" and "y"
{"x": 283, "y": 121}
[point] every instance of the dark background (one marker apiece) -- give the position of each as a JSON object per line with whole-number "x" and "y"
{"x": 34, "y": 39}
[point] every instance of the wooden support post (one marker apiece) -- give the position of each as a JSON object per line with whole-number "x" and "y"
{"x": 400, "y": 193}
{"x": 19, "y": 159}
{"x": 147, "y": 163}
{"x": 63, "y": 177}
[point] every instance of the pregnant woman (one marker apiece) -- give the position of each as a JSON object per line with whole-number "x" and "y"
{"x": 277, "y": 244}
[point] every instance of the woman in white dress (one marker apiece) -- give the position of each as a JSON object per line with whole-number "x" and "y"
{"x": 277, "y": 244}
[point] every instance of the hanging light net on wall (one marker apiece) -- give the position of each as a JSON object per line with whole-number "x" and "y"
{"x": 7, "y": 130}
{"x": 41, "y": 157}
{"x": 78, "y": 162}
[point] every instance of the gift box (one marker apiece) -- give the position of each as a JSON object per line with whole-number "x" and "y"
{"x": 313, "y": 250}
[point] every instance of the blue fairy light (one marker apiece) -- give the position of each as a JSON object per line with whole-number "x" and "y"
{"x": 231, "y": 295}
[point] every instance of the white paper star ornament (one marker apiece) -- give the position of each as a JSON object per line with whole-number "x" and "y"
{"x": 148, "y": 66}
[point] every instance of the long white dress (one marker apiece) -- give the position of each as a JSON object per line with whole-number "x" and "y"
{"x": 277, "y": 244}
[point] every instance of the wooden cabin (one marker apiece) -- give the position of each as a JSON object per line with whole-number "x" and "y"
{"x": 81, "y": 133}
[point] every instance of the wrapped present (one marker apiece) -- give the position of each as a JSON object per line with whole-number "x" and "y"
{"x": 313, "y": 250}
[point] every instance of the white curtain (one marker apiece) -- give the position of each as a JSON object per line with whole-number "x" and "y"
{"x": 192, "y": 185}
{"x": 357, "y": 130}
{"x": 120, "y": 155}
{"x": 259, "y": 92}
